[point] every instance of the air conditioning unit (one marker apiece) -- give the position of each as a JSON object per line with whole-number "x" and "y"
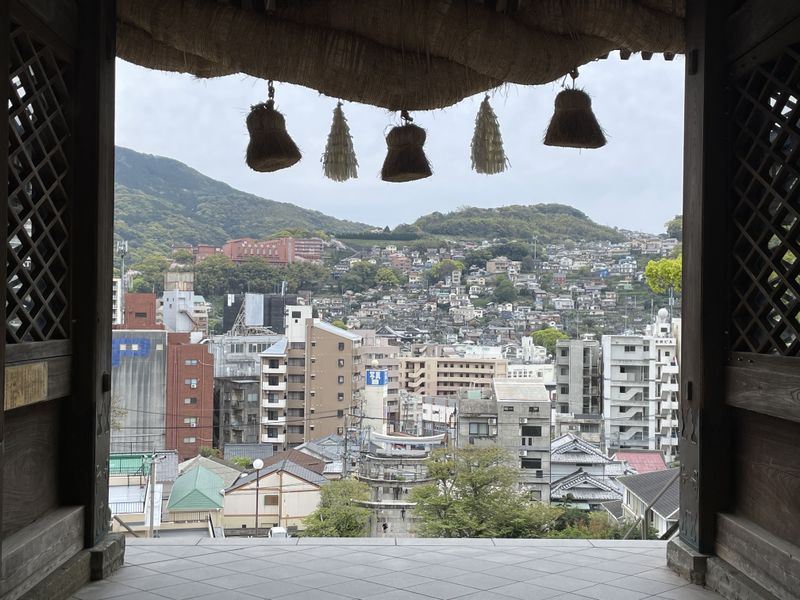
{"x": 193, "y": 386}
{"x": 493, "y": 421}
{"x": 523, "y": 421}
{"x": 312, "y": 410}
{"x": 192, "y": 424}
{"x": 523, "y": 453}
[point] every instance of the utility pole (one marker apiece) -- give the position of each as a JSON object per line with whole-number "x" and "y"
{"x": 150, "y": 531}
{"x": 122, "y": 250}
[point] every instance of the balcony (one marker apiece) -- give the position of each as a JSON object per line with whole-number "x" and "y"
{"x": 273, "y": 387}
{"x": 279, "y": 403}
{"x": 279, "y": 370}
{"x": 670, "y": 370}
{"x": 670, "y": 387}
{"x": 669, "y": 441}
{"x": 276, "y": 439}
{"x": 669, "y": 405}
{"x": 276, "y": 421}
{"x": 190, "y": 566}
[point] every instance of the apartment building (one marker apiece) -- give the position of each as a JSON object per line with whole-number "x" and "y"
{"x": 116, "y": 301}
{"x": 446, "y": 375}
{"x": 383, "y": 353}
{"x": 578, "y": 408}
{"x": 139, "y": 311}
{"x": 310, "y": 380}
{"x": 237, "y": 410}
{"x": 513, "y": 415}
{"x": 640, "y": 388}
{"x": 190, "y": 396}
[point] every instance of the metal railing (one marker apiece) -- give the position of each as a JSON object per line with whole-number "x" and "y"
{"x": 126, "y": 508}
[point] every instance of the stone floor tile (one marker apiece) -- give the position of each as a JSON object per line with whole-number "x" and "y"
{"x": 357, "y": 588}
{"x": 99, "y": 590}
{"x": 139, "y": 595}
{"x": 514, "y": 572}
{"x": 604, "y": 591}
{"x": 664, "y": 575}
{"x": 400, "y": 564}
{"x": 545, "y": 565}
{"x": 273, "y": 589}
{"x": 312, "y": 594}
{"x": 399, "y": 579}
{"x": 591, "y": 574}
{"x": 526, "y": 591}
{"x": 402, "y": 595}
{"x": 226, "y": 595}
{"x": 217, "y": 558}
{"x": 689, "y": 592}
{"x": 233, "y": 581}
{"x": 319, "y": 580}
{"x": 187, "y": 590}
{"x": 434, "y": 571}
{"x": 482, "y": 595}
{"x": 360, "y": 571}
{"x": 126, "y": 572}
{"x": 560, "y": 582}
{"x": 470, "y": 564}
{"x": 171, "y": 565}
{"x": 444, "y": 590}
{"x": 203, "y": 572}
{"x": 480, "y": 581}
{"x": 640, "y": 584}
{"x": 154, "y": 581}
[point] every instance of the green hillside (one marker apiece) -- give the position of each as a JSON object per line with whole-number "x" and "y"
{"x": 160, "y": 201}
{"x": 548, "y": 222}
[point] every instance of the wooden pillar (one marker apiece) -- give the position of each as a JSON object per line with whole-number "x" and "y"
{"x": 704, "y": 439}
{"x": 5, "y": 65}
{"x": 88, "y": 411}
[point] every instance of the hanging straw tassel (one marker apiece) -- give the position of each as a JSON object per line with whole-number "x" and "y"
{"x": 405, "y": 158}
{"x": 339, "y": 160}
{"x": 270, "y": 148}
{"x": 488, "y": 156}
{"x": 573, "y": 124}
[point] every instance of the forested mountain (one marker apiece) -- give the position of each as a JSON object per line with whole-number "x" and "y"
{"x": 547, "y": 222}
{"x": 160, "y": 201}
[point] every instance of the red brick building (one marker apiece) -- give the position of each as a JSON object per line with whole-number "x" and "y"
{"x": 280, "y": 251}
{"x": 190, "y": 396}
{"x": 139, "y": 312}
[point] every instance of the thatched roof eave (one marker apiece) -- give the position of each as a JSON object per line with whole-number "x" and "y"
{"x": 414, "y": 55}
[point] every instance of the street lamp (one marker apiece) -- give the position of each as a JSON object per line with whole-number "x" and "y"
{"x": 258, "y": 464}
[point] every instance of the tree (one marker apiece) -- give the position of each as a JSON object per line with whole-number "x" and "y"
{"x": 661, "y": 275}
{"x": 183, "y": 257}
{"x": 209, "y": 452}
{"x": 212, "y": 275}
{"x": 443, "y": 268}
{"x": 386, "y": 278}
{"x": 360, "y": 276}
{"x": 151, "y": 273}
{"x": 338, "y": 513}
{"x": 339, "y": 323}
{"x": 241, "y": 461}
{"x": 504, "y": 291}
{"x": 674, "y": 227}
{"x": 548, "y": 338}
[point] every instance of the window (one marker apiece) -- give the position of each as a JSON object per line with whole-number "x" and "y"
{"x": 590, "y": 428}
{"x": 563, "y": 408}
{"x": 192, "y": 381}
{"x": 297, "y": 362}
{"x": 191, "y": 421}
{"x": 190, "y": 362}
{"x": 622, "y": 389}
{"x": 340, "y": 396}
{"x": 531, "y": 463}
{"x": 295, "y": 412}
{"x": 271, "y": 500}
{"x": 237, "y": 348}
{"x": 297, "y": 378}
{"x": 564, "y": 370}
{"x": 564, "y": 352}
{"x": 295, "y": 314}
{"x": 508, "y": 409}
{"x": 296, "y": 396}
{"x": 339, "y": 413}
{"x": 531, "y": 431}
{"x": 189, "y": 440}
{"x": 190, "y": 400}
{"x": 140, "y": 315}
{"x": 294, "y": 429}
{"x": 298, "y": 345}
{"x": 340, "y": 379}
{"x": 479, "y": 429}
{"x": 630, "y": 348}
{"x": 564, "y": 389}
{"x": 533, "y": 409}
{"x": 341, "y": 346}
{"x": 340, "y": 362}
{"x": 622, "y": 369}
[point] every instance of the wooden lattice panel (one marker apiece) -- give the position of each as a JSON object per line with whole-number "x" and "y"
{"x": 38, "y": 192}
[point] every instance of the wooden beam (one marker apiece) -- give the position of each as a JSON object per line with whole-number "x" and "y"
{"x": 704, "y": 481}
{"x": 765, "y": 384}
{"x": 88, "y": 412}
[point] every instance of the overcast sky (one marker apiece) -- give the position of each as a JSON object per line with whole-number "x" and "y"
{"x": 633, "y": 182}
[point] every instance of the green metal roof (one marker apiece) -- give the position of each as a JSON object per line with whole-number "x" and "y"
{"x": 129, "y": 464}
{"x": 197, "y": 489}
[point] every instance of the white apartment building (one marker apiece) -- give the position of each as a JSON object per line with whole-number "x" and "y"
{"x": 116, "y": 301}
{"x": 640, "y": 388}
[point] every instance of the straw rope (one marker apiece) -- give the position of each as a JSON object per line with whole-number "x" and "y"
{"x": 415, "y": 54}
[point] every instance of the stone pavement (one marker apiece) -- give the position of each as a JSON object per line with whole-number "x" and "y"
{"x": 393, "y": 569}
